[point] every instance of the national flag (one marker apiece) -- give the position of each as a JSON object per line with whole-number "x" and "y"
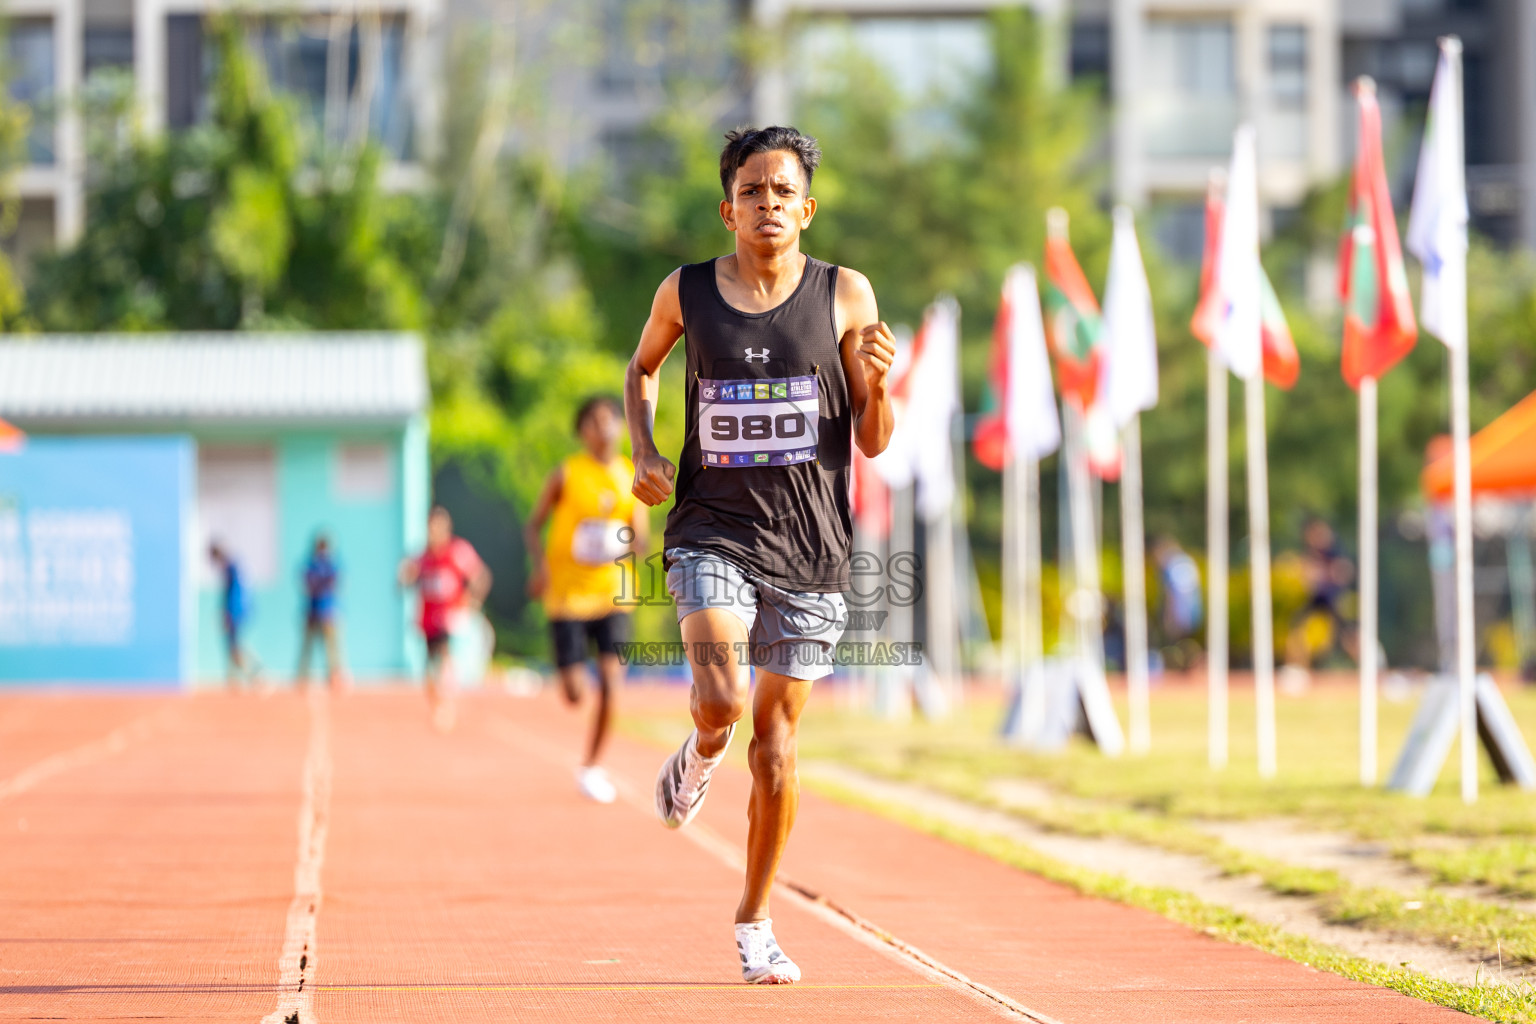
{"x": 933, "y": 402}
{"x": 1021, "y": 405}
{"x": 1073, "y": 327}
{"x": 894, "y": 465}
{"x": 1378, "y": 311}
{"x": 1281, "y": 364}
{"x": 1129, "y": 381}
{"x": 1437, "y": 221}
{"x": 11, "y": 437}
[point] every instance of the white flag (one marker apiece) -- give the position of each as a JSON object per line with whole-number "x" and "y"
{"x": 932, "y": 404}
{"x": 894, "y": 465}
{"x": 1437, "y": 222}
{"x": 1238, "y": 273}
{"x": 1034, "y": 429}
{"x": 1129, "y": 380}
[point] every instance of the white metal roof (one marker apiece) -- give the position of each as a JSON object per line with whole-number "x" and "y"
{"x": 202, "y": 377}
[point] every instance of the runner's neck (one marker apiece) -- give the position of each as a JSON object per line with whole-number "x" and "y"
{"x": 757, "y": 282}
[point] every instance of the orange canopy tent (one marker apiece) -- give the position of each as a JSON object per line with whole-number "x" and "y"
{"x": 1503, "y": 456}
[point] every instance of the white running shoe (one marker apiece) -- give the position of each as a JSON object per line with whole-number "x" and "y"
{"x": 762, "y": 961}
{"x": 683, "y": 781}
{"x": 595, "y": 784}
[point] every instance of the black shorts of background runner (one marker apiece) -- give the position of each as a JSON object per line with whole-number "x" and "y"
{"x": 574, "y": 637}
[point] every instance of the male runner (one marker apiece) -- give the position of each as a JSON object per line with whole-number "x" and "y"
{"x": 449, "y": 576}
{"x": 787, "y": 362}
{"x": 321, "y": 577}
{"x": 596, "y": 520}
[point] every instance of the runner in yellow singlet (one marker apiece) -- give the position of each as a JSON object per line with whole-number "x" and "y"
{"x": 594, "y": 521}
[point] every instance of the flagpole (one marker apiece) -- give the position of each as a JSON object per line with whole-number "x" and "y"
{"x": 1031, "y": 635}
{"x": 1461, "y": 435}
{"x": 1368, "y": 581}
{"x": 1216, "y": 558}
{"x": 1086, "y": 602}
{"x": 1258, "y": 573}
{"x": 1466, "y": 650}
{"x": 1258, "y": 568}
{"x": 1134, "y": 564}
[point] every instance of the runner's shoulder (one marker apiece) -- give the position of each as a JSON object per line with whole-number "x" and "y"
{"x": 853, "y": 286}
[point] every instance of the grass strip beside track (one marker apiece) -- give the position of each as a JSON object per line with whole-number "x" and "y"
{"x": 1507, "y": 1004}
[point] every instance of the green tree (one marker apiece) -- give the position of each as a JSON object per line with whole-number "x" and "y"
{"x": 236, "y": 222}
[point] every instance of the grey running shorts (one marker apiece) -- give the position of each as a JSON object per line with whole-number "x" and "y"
{"x": 790, "y": 632}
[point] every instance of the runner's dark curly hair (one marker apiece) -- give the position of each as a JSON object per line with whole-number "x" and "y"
{"x": 744, "y": 142}
{"x": 595, "y": 402}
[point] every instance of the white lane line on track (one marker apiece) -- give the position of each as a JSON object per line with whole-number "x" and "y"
{"x": 114, "y": 742}
{"x": 844, "y": 920}
{"x": 296, "y": 966}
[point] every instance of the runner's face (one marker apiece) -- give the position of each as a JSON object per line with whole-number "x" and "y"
{"x": 439, "y": 531}
{"x": 600, "y": 431}
{"x": 769, "y": 204}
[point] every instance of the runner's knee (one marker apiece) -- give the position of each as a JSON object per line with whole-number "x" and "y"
{"x": 718, "y": 700}
{"x": 772, "y": 760}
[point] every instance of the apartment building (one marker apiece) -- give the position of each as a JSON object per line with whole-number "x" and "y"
{"x": 354, "y": 68}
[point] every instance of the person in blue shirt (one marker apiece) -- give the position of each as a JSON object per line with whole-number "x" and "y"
{"x": 320, "y": 579}
{"x": 235, "y": 610}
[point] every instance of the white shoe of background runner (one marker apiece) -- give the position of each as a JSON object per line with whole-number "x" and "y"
{"x": 762, "y": 961}
{"x": 683, "y": 781}
{"x": 595, "y": 785}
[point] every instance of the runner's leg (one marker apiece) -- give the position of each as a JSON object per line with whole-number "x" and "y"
{"x": 719, "y": 695}
{"x": 776, "y": 708}
{"x": 610, "y": 674}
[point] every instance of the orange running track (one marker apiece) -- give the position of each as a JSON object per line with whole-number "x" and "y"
{"x": 239, "y": 859}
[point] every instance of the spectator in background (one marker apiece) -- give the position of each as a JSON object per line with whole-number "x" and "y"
{"x": 450, "y": 577}
{"x": 1321, "y": 625}
{"x": 1182, "y": 610}
{"x": 320, "y": 579}
{"x": 235, "y": 609}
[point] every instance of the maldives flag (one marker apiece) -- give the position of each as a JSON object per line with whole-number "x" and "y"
{"x": 1281, "y": 364}
{"x": 1073, "y": 327}
{"x": 1379, "y": 328}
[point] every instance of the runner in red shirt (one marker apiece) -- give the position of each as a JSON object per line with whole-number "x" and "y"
{"x": 449, "y": 576}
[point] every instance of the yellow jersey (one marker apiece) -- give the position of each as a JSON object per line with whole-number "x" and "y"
{"x": 589, "y": 531}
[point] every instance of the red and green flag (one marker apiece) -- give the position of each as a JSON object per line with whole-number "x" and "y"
{"x": 1073, "y": 327}
{"x": 1281, "y": 364}
{"x": 1379, "y": 328}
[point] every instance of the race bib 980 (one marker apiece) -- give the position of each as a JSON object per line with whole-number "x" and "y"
{"x": 770, "y": 422}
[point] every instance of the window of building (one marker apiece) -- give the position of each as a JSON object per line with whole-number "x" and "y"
{"x": 1189, "y": 102}
{"x": 647, "y": 43}
{"x": 1089, "y": 54}
{"x": 932, "y": 63}
{"x": 364, "y": 471}
{"x": 106, "y": 47}
{"x": 297, "y": 55}
{"x": 30, "y": 45}
{"x": 237, "y": 509}
{"x": 1285, "y": 131}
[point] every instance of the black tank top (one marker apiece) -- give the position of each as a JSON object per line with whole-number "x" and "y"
{"x": 752, "y": 487}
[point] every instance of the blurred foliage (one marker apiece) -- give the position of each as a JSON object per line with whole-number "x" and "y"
{"x": 15, "y": 122}
{"x": 531, "y": 280}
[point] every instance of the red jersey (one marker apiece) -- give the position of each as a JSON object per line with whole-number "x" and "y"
{"x": 443, "y": 578}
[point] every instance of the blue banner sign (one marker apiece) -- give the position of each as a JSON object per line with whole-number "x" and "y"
{"x": 93, "y": 566}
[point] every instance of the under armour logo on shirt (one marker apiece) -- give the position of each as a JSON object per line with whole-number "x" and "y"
{"x": 763, "y": 356}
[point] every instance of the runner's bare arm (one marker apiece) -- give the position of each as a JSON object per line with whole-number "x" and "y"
{"x": 867, "y": 351}
{"x": 408, "y": 571}
{"x": 479, "y": 586}
{"x": 533, "y": 532}
{"x": 654, "y": 473}
{"x": 640, "y": 522}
